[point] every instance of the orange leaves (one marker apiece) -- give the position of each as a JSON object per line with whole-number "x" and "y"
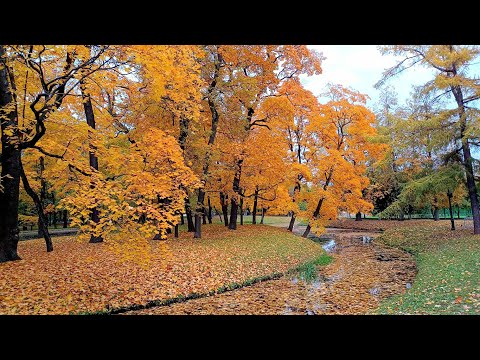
{"x": 145, "y": 200}
{"x": 80, "y": 277}
{"x": 337, "y": 148}
{"x": 354, "y": 283}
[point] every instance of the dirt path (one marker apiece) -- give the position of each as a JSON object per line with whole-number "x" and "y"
{"x": 354, "y": 283}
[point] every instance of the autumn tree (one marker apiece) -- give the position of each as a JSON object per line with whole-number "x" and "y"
{"x": 453, "y": 80}
{"x": 37, "y": 79}
{"x": 340, "y": 148}
{"x": 255, "y": 74}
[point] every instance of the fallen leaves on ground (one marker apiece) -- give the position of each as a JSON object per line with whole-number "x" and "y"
{"x": 80, "y": 277}
{"x": 360, "y": 276}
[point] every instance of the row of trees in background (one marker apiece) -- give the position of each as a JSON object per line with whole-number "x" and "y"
{"x": 127, "y": 139}
{"x": 429, "y": 162}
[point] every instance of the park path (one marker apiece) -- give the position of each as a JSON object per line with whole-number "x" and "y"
{"x": 359, "y": 277}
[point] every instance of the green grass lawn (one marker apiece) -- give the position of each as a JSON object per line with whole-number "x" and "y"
{"x": 448, "y": 279}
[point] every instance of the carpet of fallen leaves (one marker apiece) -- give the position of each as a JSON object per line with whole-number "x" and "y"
{"x": 448, "y": 280}
{"x": 79, "y": 277}
{"x": 360, "y": 276}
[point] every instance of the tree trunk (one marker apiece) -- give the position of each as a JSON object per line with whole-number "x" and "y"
{"x": 233, "y": 214}
{"x": 224, "y": 204}
{"x": 42, "y": 221}
{"x": 182, "y": 221}
{"x": 234, "y": 201}
{"x": 263, "y": 215}
{"x": 319, "y": 205}
{"x": 435, "y": 213}
{"x": 255, "y": 204}
{"x": 188, "y": 212}
{"x": 467, "y": 156}
{"x": 43, "y": 192}
{"x": 315, "y": 215}
{"x": 209, "y": 211}
{"x": 292, "y": 222}
{"x": 241, "y": 211}
{"x": 358, "y": 216}
{"x": 90, "y": 117}
{"x": 65, "y": 219}
{"x": 198, "y": 213}
{"x": 402, "y": 215}
{"x": 444, "y": 213}
{"x": 452, "y": 221}
{"x": 10, "y": 159}
{"x": 176, "y": 231}
{"x": 458, "y": 212}
{"x": 211, "y": 140}
{"x": 204, "y": 218}
{"x": 472, "y": 188}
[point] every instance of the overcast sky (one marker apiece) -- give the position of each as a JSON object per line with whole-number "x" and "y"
{"x": 360, "y": 67}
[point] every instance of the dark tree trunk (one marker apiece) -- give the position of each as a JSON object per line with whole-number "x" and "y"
{"x": 315, "y": 215}
{"x": 176, "y": 231}
{"x": 467, "y": 156}
{"x": 65, "y": 219}
{"x": 452, "y": 221}
{"x": 263, "y": 215}
{"x": 241, "y": 211}
{"x": 188, "y": 212}
{"x": 43, "y": 192}
{"x": 233, "y": 214}
{"x": 358, "y": 216}
{"x": 292, "y": 222}
{"x": 458, "y": 212}
{"x": 402, "y": 215}
{"x": 234, "y": 201}
{"x": 10, "y": 159}
{"x": 204, "y": 219}
{"x": 38, "y": 204}
{"x": 90, "y": 117}
{"x": 255, "y": 204}
{"x": 182, "y": 220}
{"x": 224, "y": 204}
{"x": 471, "y": 186}
{"x": 209, "y": 211}
{"x": 200, "y": 210}
{"x": 211, "y": 140}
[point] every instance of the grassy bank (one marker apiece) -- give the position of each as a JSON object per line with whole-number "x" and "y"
{"x": 448, "y": 262}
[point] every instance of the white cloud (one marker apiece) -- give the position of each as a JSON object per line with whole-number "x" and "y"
{"x": 360, "y": 67}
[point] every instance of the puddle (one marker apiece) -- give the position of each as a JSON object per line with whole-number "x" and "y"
{"x": 329, "y": 246}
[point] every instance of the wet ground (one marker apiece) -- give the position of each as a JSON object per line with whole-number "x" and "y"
{"x": 361, "y": 274}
